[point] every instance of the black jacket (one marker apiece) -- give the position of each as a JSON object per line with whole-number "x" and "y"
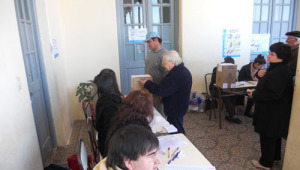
{"x": 273, "y": 99}
{"x": 245, "y": 73}
{"x": 175, "y": 90}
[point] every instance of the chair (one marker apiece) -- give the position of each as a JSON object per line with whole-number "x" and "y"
{"x": 208, "y": 97}
{"x": 93, "y": 141}
{"x": 82, "y": 157}
{"x": 88, "y": 111}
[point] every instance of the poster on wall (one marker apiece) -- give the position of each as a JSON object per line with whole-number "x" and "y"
{"x": 137, "y": 35}
{"x": 55, "y": 48}
{"x": 231, "y": 43}
{"x": 260, "y": 43}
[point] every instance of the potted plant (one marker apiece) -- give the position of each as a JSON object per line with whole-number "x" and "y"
{"x": 84, "y": 90}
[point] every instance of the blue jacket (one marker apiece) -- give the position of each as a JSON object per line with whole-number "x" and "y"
{"x": 175, "y": 90}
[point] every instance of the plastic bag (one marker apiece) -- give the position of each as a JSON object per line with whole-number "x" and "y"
{"x": 195, "y": 102}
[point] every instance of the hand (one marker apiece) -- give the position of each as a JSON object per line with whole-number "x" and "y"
{"x": 249, "y": 93}
{"x": 255, "y": 79}
{"x": 261, "y": 73}
{"x": 143, "y": 82}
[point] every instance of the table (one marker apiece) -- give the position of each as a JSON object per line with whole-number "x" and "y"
{"x": 240, "y": 89}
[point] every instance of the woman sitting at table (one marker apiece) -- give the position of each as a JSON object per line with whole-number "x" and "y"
{"x": 109, "y": 99}
{"x": 136, "y": 108}
{"x": 273, "y": 99}
{"x": 248, "y": 73}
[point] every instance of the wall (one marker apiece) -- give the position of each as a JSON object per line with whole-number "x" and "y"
{"x": 19, "y": 146}
{"x": 201, "y": 34}
{"x": 90, "y": 43}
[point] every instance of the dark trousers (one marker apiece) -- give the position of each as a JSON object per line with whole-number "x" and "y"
{"x": 230, "y": 102}
{"x": 249, "y": 105}
{"x": 177, "y": 122}
{"x": 270, "y": 150}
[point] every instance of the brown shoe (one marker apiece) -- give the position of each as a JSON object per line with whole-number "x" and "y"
{"x": 258, "y": 165}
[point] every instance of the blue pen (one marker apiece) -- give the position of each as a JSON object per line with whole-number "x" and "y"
{"x": 175, "y": 151}
{"x": 174, "y": 157}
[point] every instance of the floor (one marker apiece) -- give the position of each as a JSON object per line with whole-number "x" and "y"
{"x": 230, "y": 148}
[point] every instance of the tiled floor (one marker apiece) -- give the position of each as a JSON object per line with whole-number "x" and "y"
{"x": 230, "y": 148}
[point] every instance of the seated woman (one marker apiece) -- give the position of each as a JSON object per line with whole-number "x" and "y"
{"x": 248, "y": 73}
{"x": 109, "y": 99}
{"x": 136, "y": 108}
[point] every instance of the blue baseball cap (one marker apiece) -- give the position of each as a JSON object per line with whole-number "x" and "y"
{"x": 151, "y": 35}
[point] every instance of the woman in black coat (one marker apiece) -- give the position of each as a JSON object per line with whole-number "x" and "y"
{"x": 109, "y": 99}
{"x": 273, "y": 98}
{"x": 248, "y": 73}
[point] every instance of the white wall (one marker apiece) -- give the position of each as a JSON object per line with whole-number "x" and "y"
{"x": 201, "y": 34}
{"x": 19, "y": 146}
{"x": 90, "y": 43}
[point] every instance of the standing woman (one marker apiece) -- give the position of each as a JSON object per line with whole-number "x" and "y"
{"x": 109, "y": 99}
{"x": 248, "y": 73}
{"x": 273, "y": 98}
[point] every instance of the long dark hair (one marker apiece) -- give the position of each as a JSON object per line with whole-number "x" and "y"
{"x": 106, "y": 83}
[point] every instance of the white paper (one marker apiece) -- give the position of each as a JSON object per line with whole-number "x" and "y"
{"x": 232, "y": 85}
{"x": 170, "y": 141}
{"x": 219, "y": 67}
{"x": 170, "y": 128}
{"x": 158, "y": 121}
{"x": 224, "y": 85}
{"x": 183, "y": 167}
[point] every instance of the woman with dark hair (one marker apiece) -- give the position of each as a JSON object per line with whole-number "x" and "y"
{"x": 109, "y": 99}
{"x": 136, "y": 108}
{"x": 273, "y": 99}
{"x": 248, "y": 73}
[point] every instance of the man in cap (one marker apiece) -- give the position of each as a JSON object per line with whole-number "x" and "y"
{"x": 293, "y": 40}
{"x": 153, "y": 64}
{"x": 229, "y": 101}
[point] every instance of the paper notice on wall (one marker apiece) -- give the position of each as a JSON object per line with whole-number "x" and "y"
{"x": 137, "y": 35}
{"x": 260, "y": 43}
{"x": 231, "y": 43}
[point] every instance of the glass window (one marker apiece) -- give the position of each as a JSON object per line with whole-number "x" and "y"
{"x": 277, "y": 13}
{"x": 166, "y": 14}
{"x": 126, "y": 1}
{"x": 26, "y": 10}
{"x": 167, "y": 46}
{"x": 264, "y": 28}
{"x": 276, "y": 29}
{"x": 138, "y": 1}
{"x": 265, "y": 13}
{"x": 166, "y": 1}
{"x": 284, "y": 29}
{"x": 166, "y": 32}
{"x": 138, "y": 14}
{"x": 155, "y": 1}
{"x": 257, "y": 1}
{"x": 278, "y": 1}
{"x": 265, "y": 1}
{"x": 156, "y": 28}
{"x": 127, "y": 15}
{"x": 129, "y": 52}
{"x": 255, "y": 28}
{"x": 286, "y": 13}
{"x": 256, "y": 13}
{"x": 140, "y": 52}
{"x": 287, "y": 1}
{"x": 156, "y": 14}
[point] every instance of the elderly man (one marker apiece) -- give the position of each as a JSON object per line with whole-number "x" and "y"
{"x": 175, "y": 89}
{"x": 293, "y": 40}
{"x": 131, "y": 148}
{"x": 153, "y": 64}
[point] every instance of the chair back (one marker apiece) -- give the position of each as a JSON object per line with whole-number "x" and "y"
{"x": 82, "y": 157}
{"x": 207, "y": 82}
{"x": 93, "y": 141}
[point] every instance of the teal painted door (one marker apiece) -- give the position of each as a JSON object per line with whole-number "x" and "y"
{"x": 33, "y": 65}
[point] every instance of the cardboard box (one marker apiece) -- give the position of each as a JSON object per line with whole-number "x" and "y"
{"x": 226, "y": 75}
{"x": 135, "y": 81}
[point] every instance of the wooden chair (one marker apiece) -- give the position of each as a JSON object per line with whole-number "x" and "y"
{"x": 93, "y": 141}
{"x": 82, "y": 157}
{"x": 88, "y": 111}
{"x": 208, "y": 96}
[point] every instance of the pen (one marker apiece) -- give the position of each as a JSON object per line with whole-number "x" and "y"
{"x": 168, "y": 152}
{"x": 175, "y": 151}
{"x": 175, "y": 156}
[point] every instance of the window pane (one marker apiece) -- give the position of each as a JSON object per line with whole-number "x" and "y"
{"x": 278, "y": 1}
{"x": 166, "y": 1}
{"x": 127, "y": 15}
{"x": 277, "y": 13}
{"x": 264, "y": 28}
{"x": 126, "y": 1}
{"x": 138, "y": 15}
{"x": 284, "y": 29}
{"x": 138, "y": 1}
{"x": 156, "y": 14}
{"x": 129, "y": 53}
{"x": 167, "y": 46}
{"x": 166, "y": 35}
{"x": 276, "y": 29}
{"x": 265, "y": 1}
{"x": 156, "y": 28}
{"x": 155, "y": 1}
{"x": 257, "y": 1}
{"x": 26, "y": 10}
{"x": 126, "y": 33}
{"x": 287, "y": 1}
{"x": 140, "y": 52}
{"x": 286, "y": 13}
{"x": 166, "y": 14}
{"x": 265, "y": 13}
{"x": 255, "y": 28}
{"x": 256, "y": 13}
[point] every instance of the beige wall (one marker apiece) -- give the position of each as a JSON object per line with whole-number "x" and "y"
{"x": 201, "y": 34}
{"x": 90, "y": 43}
{"x": 19, "y": 146}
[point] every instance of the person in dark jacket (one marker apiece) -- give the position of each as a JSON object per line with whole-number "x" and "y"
{"x": 293, "y": 41}
{"x": 175, "y": 89}
{"x": 248, "y": 73}
{"x": 136, "y": 109}
{"x": 273, "y": 99}
{"x": 109, "y": 99}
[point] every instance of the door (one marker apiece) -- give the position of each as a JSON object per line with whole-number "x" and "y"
{"x": 33, "y": 66}
{"x": 155, "y": 15}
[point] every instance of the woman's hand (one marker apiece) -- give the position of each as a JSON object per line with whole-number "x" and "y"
{"x": 261, "y": 73}
{"x": 143, "y": 82}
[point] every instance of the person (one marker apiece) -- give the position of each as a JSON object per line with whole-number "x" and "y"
{"x": 293, "y": 40}
{"x": 136, "y": 108}
{"x": 273, "y": 99}
{"x": 153, "y": 64}
{"x": 131, "y": 148}
{"x": 248, "y": 73}
{"x": 175, "y": 89}
{"x": 109, "y": 99}
{"x": 229, "y": 101}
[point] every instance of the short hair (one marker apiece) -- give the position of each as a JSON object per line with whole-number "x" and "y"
{"x": 260, "y": 59}
{"x": 282, "y": 50}
{"x": 130, "y": 142}
{"x": 172, "y": 55}
{"x": 159, "y": 39}
{"x": 106, "y": 83}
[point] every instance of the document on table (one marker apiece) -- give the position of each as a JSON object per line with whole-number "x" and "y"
{"x": 170, "y": 128}
{"x": 158, "y": 121}
{"x": 182, "y": 167}
{"x": 170, "y": 141}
